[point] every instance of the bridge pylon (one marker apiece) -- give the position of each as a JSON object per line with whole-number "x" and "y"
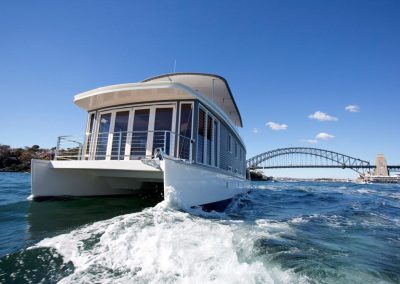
{"x": 381, "y": 168}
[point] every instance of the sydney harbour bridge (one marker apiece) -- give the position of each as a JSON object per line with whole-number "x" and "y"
{"x": 303, "y": 157}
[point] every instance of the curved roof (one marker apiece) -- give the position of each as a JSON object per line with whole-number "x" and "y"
{"x": 214, "y": 87}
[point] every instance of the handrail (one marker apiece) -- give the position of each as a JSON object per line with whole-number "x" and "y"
{"x": 123, "y": 145}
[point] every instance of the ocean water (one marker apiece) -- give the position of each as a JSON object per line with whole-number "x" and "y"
{"x": 299, "y": 232}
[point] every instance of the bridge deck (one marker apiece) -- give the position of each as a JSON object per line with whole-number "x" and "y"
{"x": 303, "y": 157}
{"x": 390, "y": 168}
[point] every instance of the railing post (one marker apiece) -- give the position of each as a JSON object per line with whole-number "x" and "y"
{"x": 165, "y": 142}
{"x": 80, "y": 152}
{"x": 172, "y": 142}
{"x": 119, "y": 145}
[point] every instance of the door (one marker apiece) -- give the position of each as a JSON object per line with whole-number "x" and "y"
{"x": 184, "y": 148}
{"x": 119, "y": 135}
{"x": 103, "y": 136}
{"x": 162, "y": 137}
{"x": 140, "y": 128}
{"x": 151, "y": 129}
{"x": 111, "y": 136}
{"x": 135, "y": 133}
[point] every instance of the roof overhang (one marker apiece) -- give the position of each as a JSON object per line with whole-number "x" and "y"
{"x": 214, "y": 87}
{"x": 129, "y": 93}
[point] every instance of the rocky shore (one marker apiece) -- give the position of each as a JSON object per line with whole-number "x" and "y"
{"x": 19, "y": 159}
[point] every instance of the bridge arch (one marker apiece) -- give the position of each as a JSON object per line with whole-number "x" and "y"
{"x": 326, "y": 159}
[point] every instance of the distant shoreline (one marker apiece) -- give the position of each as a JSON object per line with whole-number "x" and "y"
{"x": 19, "y": 159}
{"x": 314, "y": 179}
{"x": 259, "y": 176}
{"x": 14, "y": 171}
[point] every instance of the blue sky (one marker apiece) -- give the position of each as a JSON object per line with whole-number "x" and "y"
{"x": 284, "y": 60}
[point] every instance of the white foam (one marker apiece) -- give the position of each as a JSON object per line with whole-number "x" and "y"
{"x": 172, "y": 200}
{"x": 365, "y": 191}
{"x": 298, "y": 220}
{"x": 161, "y": 245}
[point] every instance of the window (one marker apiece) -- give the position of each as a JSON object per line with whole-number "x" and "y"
{"x": 162, "y": 128}
{"x": 139, "y": 133}
{"x": 89, "y": 131}
{"x": 215, "y": 143}
{"x": 229, "y": 143}
{"x": 209, "y": 138}
{"x": 119, "y": 136}
{"x": 236, "y": 151}
{"x": 185, "y": 131}
{"x": 102, "y": 136}
{"x": 91, "y": 122}
{"x": 200, "y": 136}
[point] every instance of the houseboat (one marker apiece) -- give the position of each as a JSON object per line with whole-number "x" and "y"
{"x": 177, "y": 132}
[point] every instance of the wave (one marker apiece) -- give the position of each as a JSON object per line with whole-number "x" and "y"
{"x": 165, "y": 245}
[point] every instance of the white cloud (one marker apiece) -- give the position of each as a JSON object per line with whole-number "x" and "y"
{"x": 324, "y": 136}
{"x": 352, "y": 108}
{"x": 255, "y": 130}
{"x": 276, "y": 126}
{"x": 321, "y": 116}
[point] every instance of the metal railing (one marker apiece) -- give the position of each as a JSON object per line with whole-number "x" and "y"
{"x": 123, "y": 145}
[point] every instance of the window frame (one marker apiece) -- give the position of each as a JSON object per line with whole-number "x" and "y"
{"x": 191, "y": 128}
{"x": 207, "y": 113}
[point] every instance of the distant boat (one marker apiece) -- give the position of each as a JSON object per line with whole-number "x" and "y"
{"x": 175, "y": 132}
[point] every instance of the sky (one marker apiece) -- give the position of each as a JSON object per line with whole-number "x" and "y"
{"x": 293, "y": 66}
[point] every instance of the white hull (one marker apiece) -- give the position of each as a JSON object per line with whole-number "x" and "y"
{"x": 187, "y": 184}
{"x": 192, "y": 185}
{"x": 90, "y": 178}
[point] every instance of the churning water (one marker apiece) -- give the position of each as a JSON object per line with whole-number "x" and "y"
{"x": 306, "y": 232}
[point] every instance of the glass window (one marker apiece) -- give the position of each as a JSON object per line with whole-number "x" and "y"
{"x": 102, "y": 136}
{"x": 91, "y": 122}
{"x": 216, "y": 143}
{"x": 229, "y": 143}
{"x": 139, "y": 134}
{"x": 186, "y": 120}
{"x": 163, "y": 119}
{"x": 200, "y": 136}
{"x": 185, "y": 131}
{"x": 236, "y": 149}
{"x": 89, "y": 133}
{"x": 209, "y": 138}
{"x": 162, "y": 128}
{"x": 119, "y": 135}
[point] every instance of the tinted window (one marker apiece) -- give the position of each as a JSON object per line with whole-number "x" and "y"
{"x": 139, "y": 135}
{"x": 119, "y": 136}
{"x": 200, "y": 137}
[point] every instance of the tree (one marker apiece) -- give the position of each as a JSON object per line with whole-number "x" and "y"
{"x": 35, "y": 148}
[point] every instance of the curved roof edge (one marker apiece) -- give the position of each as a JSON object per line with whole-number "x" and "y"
{"x": 201, "y": 74}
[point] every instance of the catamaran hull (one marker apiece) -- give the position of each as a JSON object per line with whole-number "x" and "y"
{"x": 191, "y": 185}
{"x": 91, "y": 178}
{"x": 185, "y": 184}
